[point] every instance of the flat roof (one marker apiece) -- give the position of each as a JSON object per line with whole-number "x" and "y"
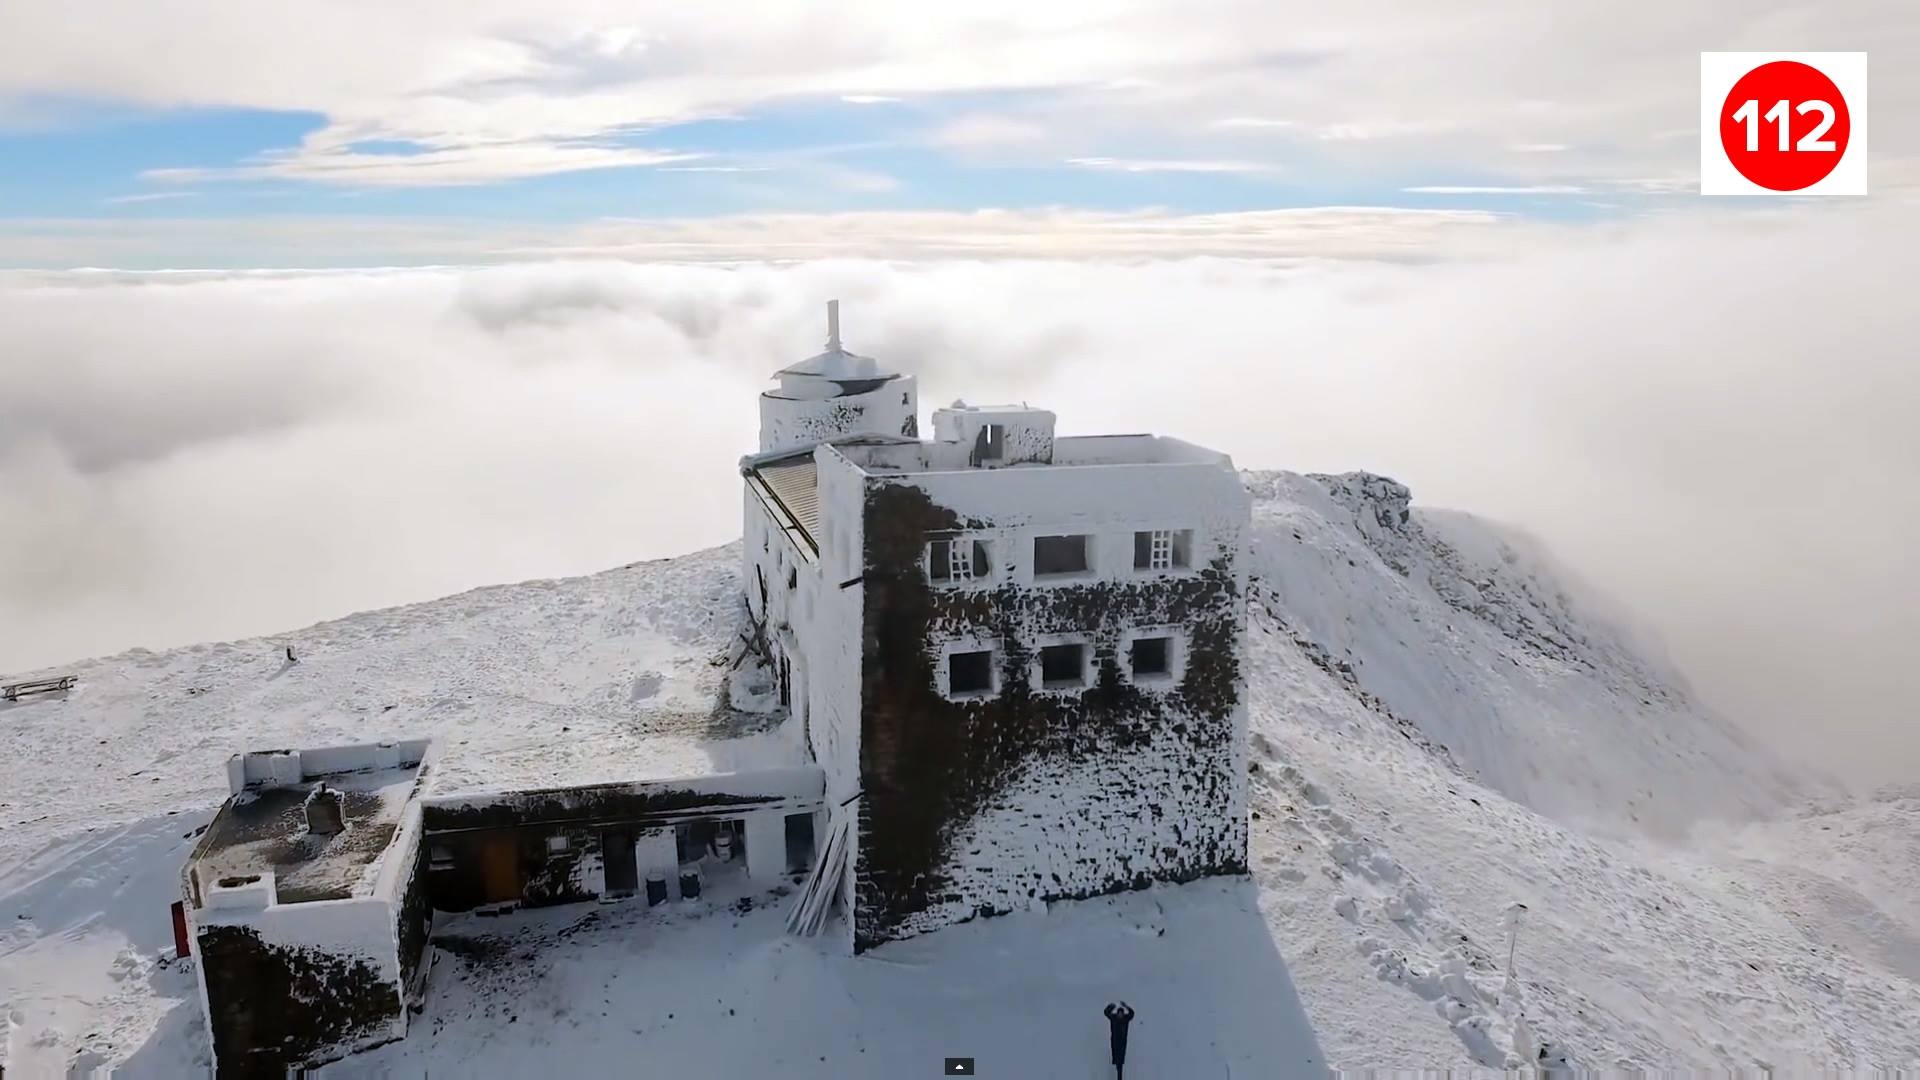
{"x": 1069, "y": 452}
{"x": 265, "y": 829}
{"x": 654, "y": 745}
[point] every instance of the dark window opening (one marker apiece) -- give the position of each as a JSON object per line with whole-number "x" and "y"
{"x": 994, "y": 446}
{"x": 621, "y": 866}
{"x": 1059, "y": 555}
{"x": 799, "y": 842}
{"x": 957, "y": 560}
{"x": 716, "y": 839}
{"x": 793, "y": 576}
{"x": 970, "y": 672}
{"x": 1163, "y": 549}
{"x": 1063, "y": 665}
{"x": 1152, "y": 657}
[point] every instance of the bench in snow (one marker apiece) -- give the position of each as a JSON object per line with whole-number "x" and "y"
{"x": 18, "y": 690}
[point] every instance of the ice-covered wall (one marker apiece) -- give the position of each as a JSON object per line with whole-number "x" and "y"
{"x": 980, "y": 805}
{"x": 286, "y": 767}
{"x": 834, "y": 649}
{"x": 996, "y": 435}
{"x": 832, "y": 639}
{"x": 808, "y": 607}
{"x": 287, "y": 984}
{"x": 890, "y": 408}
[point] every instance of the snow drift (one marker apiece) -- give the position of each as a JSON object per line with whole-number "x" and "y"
{"x": 1443, "y": 724}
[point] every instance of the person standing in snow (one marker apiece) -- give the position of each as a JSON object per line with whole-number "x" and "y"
{"x": 1119, "y": 1014}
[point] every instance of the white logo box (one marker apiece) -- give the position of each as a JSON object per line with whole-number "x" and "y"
{"x": 1720, "y": 70}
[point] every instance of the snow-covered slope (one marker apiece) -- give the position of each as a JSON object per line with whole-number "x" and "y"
{"x": 1466, "y": 630}
{"x": 1442, "y": 726}
{"x": 1439, "y": 728}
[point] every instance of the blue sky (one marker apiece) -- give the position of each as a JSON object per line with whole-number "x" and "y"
{"x": 827, "y": 155}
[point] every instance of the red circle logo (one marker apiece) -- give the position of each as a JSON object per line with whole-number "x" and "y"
{"x": 1784, "y": 125}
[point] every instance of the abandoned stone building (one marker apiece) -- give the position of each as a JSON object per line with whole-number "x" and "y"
{"x": 1015, "y": 656}
{"x": 1009, "y": 671}
{"x": 310, "y": 897}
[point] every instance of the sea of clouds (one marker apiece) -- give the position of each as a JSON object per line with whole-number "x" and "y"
{"x": 1711, "y": 419}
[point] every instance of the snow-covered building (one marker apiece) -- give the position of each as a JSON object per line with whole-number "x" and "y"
{"x": 309, "y": 899}
{"x": 1017, "y": 657}
{"x": 995, "y": 668}
{"x": 304, "y": 905}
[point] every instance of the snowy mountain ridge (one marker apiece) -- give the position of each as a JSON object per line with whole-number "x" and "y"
{"x": 1442, "y": 726}
{"x": 1500, "y": 657}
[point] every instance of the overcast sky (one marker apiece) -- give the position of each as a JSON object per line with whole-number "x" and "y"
{"x": 1454, "y": 243}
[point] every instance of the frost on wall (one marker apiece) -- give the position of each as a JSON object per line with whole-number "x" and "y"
{"x": 276, "y": 1005}
{"x": 979, "y": 807}
{"x": 414, "y": 924}
{"x": 888, "y": 409}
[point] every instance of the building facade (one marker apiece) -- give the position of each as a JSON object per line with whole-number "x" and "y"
{"x": 1012, "y": 670}
{"x": 1017, "y": 657}
{"x": 311, "y": 897}
{"x": 305, "y": 907}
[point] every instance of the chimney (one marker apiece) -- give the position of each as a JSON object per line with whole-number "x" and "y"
{"x": 324, "y": 813}
{"x": 833, "y": 325}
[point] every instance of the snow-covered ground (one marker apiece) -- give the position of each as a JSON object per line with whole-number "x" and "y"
{"x": 1443, "y": 725}
{"x": 608, "y": 987}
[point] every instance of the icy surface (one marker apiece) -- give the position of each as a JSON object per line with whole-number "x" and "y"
{"x": 1442, "y": 725}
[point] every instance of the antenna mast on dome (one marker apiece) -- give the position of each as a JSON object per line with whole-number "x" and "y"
{"x": 833, "y": 325}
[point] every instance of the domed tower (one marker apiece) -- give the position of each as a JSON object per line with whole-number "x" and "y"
{"x": 836, "y": 393}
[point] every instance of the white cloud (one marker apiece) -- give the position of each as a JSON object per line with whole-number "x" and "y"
{"x": 1364, "y": 132}
{"x": 1539, "y": 148}
{"x": 146, "y": 197}
{"x": 868, "y": 99}
{"x": 1144, "y": 165}
{"x": 987, "y": 131}
{"x": 1258, "y": 122}
{"x": 460, "y": 165}
{"x": 198, "y": 456}
{"x": 1657, "y": 185}
{"x": 1530, "y": 189}
{"x": 1336, "y": 232}
{"x": 459, "y": 76}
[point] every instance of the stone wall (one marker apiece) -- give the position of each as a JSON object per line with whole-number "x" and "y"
{"x": 978, "y": 807}
{"x": 300, "y": 984}
{"x": 891, "y": 408}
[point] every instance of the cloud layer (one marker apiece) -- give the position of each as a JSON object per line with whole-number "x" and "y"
{"x": 498, "y": 89}
{"x": 1329, "y": 232}
{"x": 1708, "y": 418}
